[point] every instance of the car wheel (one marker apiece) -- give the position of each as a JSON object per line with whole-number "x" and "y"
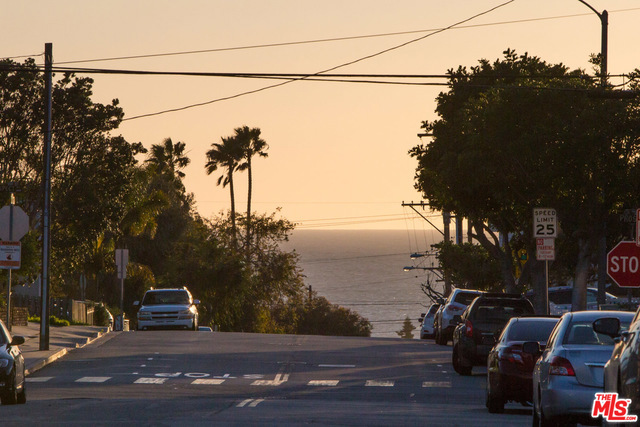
{"x": 22, "y": 396}
{"x": 11, "y": 395}
{"x": 495, "y": 401}
{"x": 457, "y": 366}
{"x": 543, "y": 421}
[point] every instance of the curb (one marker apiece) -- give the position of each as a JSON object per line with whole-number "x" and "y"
{"x": 62, "y": 352}
{"x": 41, "y": 364}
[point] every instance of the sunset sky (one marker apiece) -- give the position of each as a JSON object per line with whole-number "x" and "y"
{"x": 338, "y": 151}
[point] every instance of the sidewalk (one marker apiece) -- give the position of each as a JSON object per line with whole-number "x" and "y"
{"x": 61, "y": 341}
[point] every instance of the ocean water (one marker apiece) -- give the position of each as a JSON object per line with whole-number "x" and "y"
{"x": 363, "y": 271}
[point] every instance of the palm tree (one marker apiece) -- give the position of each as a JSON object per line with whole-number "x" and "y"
{"x": 226, "y": 155}
{"x": 252, "y": 144}
{"x": 169, "y": 158}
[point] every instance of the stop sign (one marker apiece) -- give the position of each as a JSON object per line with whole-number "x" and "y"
{"x": 623, "y": 264}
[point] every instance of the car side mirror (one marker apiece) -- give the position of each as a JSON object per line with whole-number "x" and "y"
{"x": 17, "y": 340}
{"x": 608, "y": 326}
{"x": 531, "y": 347}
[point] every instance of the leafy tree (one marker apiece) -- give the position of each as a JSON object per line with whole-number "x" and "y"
{"x": 407, "y": 329}
{"x": 520, "y": 133}
{"x": 469, "y": 266}
{"x": 320, "y": 317}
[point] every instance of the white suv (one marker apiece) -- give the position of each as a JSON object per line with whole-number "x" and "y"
{"x": 167, "y": 308}
{"x": 457, "y": 302}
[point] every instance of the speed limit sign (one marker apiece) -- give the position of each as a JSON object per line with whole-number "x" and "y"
{"x": 545, "y": 223}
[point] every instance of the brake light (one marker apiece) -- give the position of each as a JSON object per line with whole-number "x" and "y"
{"x": 561, "y": 366}
{"x": 468, "y": 329}
{"x": 509, "y": 356}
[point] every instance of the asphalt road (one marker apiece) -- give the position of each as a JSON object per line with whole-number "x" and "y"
{"x": 202, "y": 378}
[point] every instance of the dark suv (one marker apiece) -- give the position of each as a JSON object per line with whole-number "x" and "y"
{"x": 480, "y": 325}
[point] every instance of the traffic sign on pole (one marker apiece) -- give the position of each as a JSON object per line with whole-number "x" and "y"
{"x": 545, "y": 223}
{"x": 623, "y": 264}
{"x": 10, "y": 255}
{"x": 14, "y": 223}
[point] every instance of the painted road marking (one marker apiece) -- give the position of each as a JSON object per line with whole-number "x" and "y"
{"x": 336, "y": 366}
{"x": 93, "y": 379}
{"x": 375, "y": 383}
{"x": 249, "y": 403}
{"x": 325, "y": 383}
{"x": 38, "y": 379}
{"x": 443, "y": 384}
{"x": 208, "y": 381}
{"x": 279, "y": 379}
{"x": 150, "y": 381}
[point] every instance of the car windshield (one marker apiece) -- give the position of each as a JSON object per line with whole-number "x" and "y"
{"x": 531, "y": 330}
{"x": 581, "y": 332}
{"x": 167, "y": 297}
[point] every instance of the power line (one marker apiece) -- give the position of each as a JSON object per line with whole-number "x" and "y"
{"x": 323, "y": 71}
{"x": 333, "y": 39}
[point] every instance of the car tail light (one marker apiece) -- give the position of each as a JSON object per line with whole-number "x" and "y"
{"x": 509, "y": 355}
{"x": 468, "y": 329}
{"x": 561, "y": 366}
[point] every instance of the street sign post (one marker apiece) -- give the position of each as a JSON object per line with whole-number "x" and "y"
{"x": 623, "y": 264}
{"x": 122, "y": 259}
{"x": 545, "y": 230}
{"x": 14, "y": 224}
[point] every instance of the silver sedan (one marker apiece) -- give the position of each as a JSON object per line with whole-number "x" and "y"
{"x": 569, "y": 372}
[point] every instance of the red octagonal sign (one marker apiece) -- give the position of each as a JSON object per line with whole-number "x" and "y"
{"x": 623, "y": 264}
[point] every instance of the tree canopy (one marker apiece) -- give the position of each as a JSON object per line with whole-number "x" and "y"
{"x": 520, "y": 133}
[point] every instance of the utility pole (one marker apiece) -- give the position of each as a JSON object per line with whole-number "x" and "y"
{"x": 46, "y": 214}
{"x": 604, "y": 57}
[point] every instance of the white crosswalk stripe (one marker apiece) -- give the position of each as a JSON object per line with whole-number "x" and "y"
{"x": 435, "y": 384}
{"x": 376, "y": 383}
{"x": 93, "y": 379}
{"x": 150, "y": 381}
{"x": 207, "y": 381}
{"x": 38, "y": 379}
{"x": 325, "y": 383}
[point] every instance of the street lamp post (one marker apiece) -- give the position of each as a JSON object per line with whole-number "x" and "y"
{"x": 602, "y": 244}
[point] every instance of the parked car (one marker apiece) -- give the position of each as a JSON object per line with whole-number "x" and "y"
{"x": 622, "y": 371}
{"x": 560, "y": 299}
{"x": 509, "y": 370}
{"x": 570, "y": 370}
{"x": 480, "y": 325}
{"x": 167, "y": 308}
{"x": 427, "y": 331}
{"x": 12, "y": 370}
{"x": 458, "y": 301}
